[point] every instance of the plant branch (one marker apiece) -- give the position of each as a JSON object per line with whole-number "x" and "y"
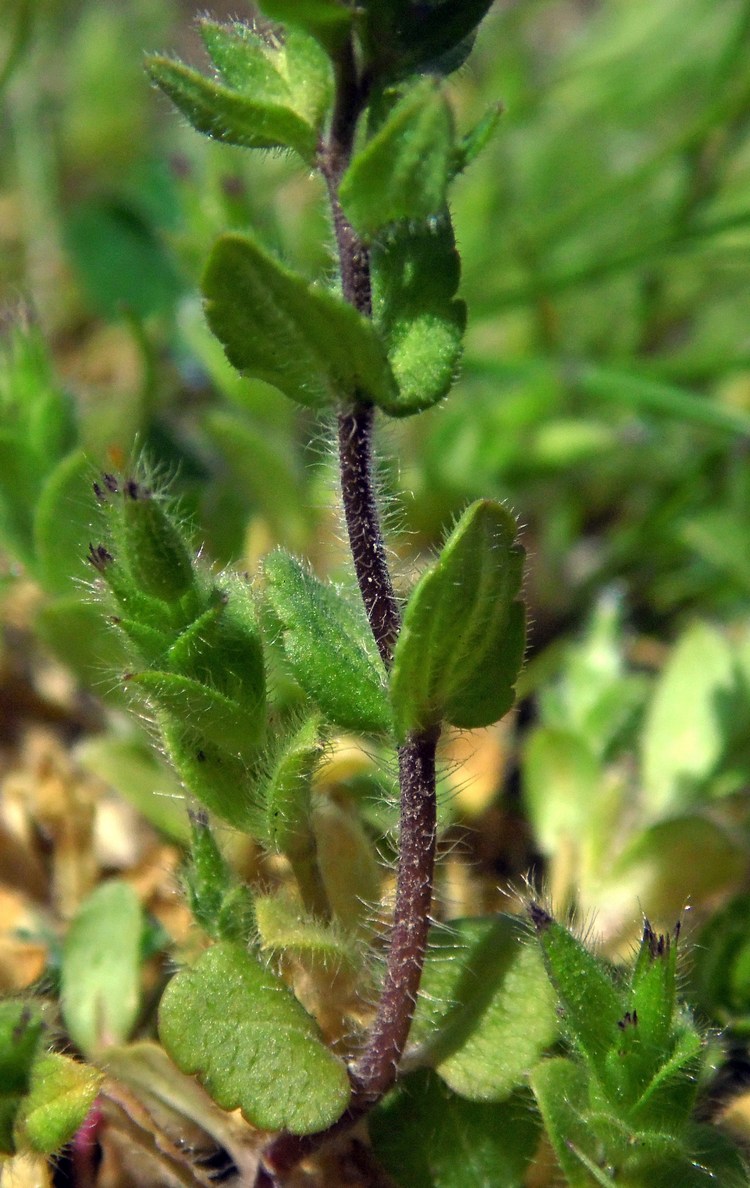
{"x": 376, "y": 1070}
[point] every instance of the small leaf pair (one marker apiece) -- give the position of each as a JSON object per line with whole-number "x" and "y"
{"x": 459, "y": 651}
{"x": 271, "y": 95}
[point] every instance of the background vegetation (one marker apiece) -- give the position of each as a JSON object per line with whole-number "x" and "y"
{"x": 605, "y": 394}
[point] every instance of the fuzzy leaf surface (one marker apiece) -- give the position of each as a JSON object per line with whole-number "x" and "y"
{"x": 461, "y": 646}
{"x": 486, "y": 1010}
{"x": 429, "y": 1138}
{"x": 402, "y": 173}
{"x": 61, "y": 1093}
{"x": 415, "y": 275}
{"x": 592, "y": 1006}
{"x": 276, "y": 327}
{"x": 324, "y": 640}
{"x": 236, "y": 1026}
{"x": 232, "y": 116}
{"x": 296, "y": 74}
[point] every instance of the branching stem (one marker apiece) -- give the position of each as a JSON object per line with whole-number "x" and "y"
{"x": 376, "y": 1070}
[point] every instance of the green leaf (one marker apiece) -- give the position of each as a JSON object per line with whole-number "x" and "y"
{"x": 476, "y": 140}
{"x": 329, "y": 21}
{"x": 403, "y": 37}
{"x": 155, "y": 549}
{"x": 427, "y": 1137}
{"x": 402, "y": 172}
{"x": 100, "y": 993}
{"x": 415, "y": 275}
{"x": 232, "y": 116}
{"x": 19, "y": 491}
{"x": 561, "y": 1091}
{"x": 683, "y": 858}
{"x": 62, "y": 524}
{"x": 220, "y": 905}
{"x": 328, "y": 647}
{"x": 229, "y": 1021}
{"x": 274, "y": 326}
{"x": 220, "y": 779}
{"x": 592, "y": 1006}
{"x": 463, "y": 636}
{"x": 688, "y": 720}
{"x": 561, "y": 782}
{"x": 61, "y": 1093}
{"x": 284, "y": 928}
{"x": 486, "y": 1010}
{"x": 20, "y": 1036}
{"x": 218, "y": 718}
{"x": 295, "y": 74}
{"x": 222, "y": 648}
{"x": 246, "y": 61}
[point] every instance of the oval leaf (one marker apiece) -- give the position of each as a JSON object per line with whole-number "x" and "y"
{"x": 689, "y": 719}
{"x": 101, "y": 968}
{"x": 461, "y": 646}
{"x": 324, "y": 640}
{"x": 402, "y": 173}
{"x": 415, "y": 276}
{"x": 486, "y": 1010}
{"x": 233, "y": 117}
{"x": 276, "y": 327}
{"x": 236, "y": 1026}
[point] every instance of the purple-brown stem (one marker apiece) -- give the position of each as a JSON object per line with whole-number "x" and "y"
{"x": 375, "y": 1071}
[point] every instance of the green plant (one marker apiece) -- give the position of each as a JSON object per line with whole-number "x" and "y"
{"x": 303, "y": 1006}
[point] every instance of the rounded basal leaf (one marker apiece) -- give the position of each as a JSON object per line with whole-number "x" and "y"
{"x": 61, "y": 1093}
{"x": 101, "y": 967}
{"x": 327, "y": 644}
{"x": 276, "y": 327}
{"x": 486, "y": 1011}
{"x": 232, "y": 116}
{"x": 461, "y": 646}
{"x": 237, "y": 1027}
{"x": 402, "y": 173}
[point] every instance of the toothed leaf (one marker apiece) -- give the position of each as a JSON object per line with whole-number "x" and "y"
{"x": 232, "y": 1023}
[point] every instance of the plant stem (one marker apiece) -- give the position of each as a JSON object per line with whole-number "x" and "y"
{"x": 376, "y": 1069}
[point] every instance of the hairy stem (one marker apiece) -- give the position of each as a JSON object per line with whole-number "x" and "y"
{"x": 376, "y": 1069}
